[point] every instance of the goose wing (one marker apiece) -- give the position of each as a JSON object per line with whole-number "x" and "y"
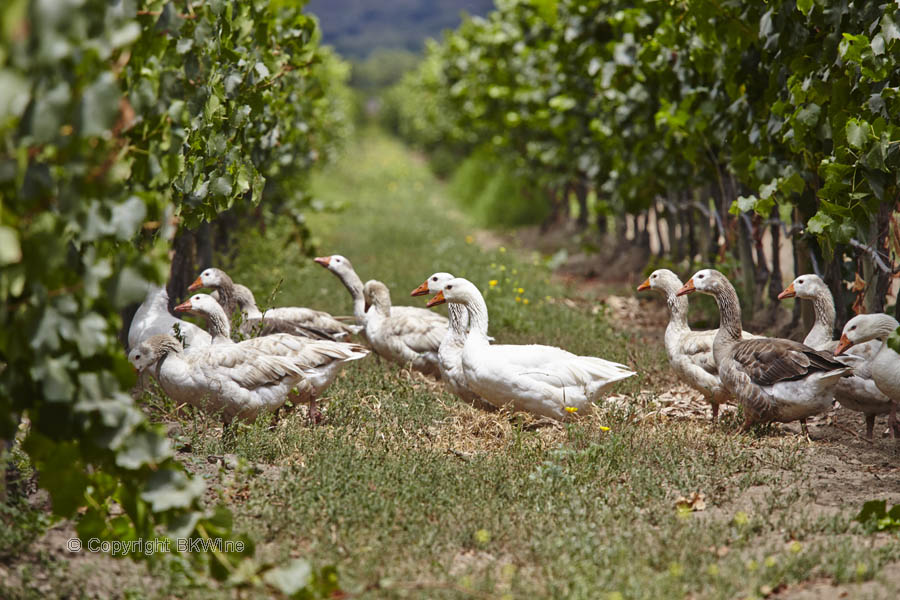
{"x": 768, "y": 361}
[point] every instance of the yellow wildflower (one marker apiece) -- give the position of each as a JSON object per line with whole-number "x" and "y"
{"x": 502, "y": 267}
{"x": 861, "y": 569}
{"x": 469, "y": 239}
{"x": 741, "y": 518}
{"x": 502, "y": 248}
{"x": 571, "y": 409}
{"x": 713, "y": 570}
{"x": 524, "y": 300}
{"x": 518, "y": 298}
{"x": 604, "y": 428}
{"x": 795, "y": 547}
{"x": 521, "y": 290}
{"x": 492, "y": 282}
{"x": 482, "y": 536}
{"x": 752, "y": 565}
{"x": 770, "y": 562}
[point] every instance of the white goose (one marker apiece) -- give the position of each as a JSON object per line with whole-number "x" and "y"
{"x": 543, "y": 380}
{"x": 226, "y": 379}
{"x": 885, "y": 366}
{"x": 153, "y": 318}
{"x": 289, "y": 319}
{"x": 321, "y": 359}
{"x": 690, "y": 352}
{"x": 343, "y": 270}
{"x": 774, "y": 379}
{"x": 403, "y": 338}
{"x": 859, "y": 391}
{"x": 451, "y": 348}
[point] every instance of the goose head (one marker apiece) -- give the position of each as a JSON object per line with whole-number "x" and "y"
{"x": 863, "y": 328}
{"x": 210, "y": 278}
{"x": 456, "y": 291}
{"x": 202, "y": 305}
{"x": 335, "y": 263}
{"x": 708, "y": 281}
{"x": 149, "y": 351}
{"x": 804, "y": 286}
{"x": 432, "y": 285}
{"x": 377, "y": 295}
{"x": 662, "y": 280}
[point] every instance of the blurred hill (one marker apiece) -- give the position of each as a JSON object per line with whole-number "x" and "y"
{"x": 357, "y": 27}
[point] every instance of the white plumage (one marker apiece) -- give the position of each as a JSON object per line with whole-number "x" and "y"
{"x": 542, "y": 380}
{"x": 153, "y": 318}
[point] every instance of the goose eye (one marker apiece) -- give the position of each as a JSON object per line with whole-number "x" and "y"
{"x": 653, "y": 276}
{"x": 852, "y": 328}
{"x": 137, "y": 356}
{"x": 449, "y": 287}
{"x": 434, "y": 278}
{"x": 800, "y": 281}
{"x": 700, "y": 276}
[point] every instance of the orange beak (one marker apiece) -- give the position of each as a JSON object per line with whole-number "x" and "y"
{"x": 842, "y": 345}
{"x": 687, "y": 288}
{"x": 787, "y": 293}
{"x": 438, "y": 299}
{"x": 196, "y": 285}
{"x": 323, "y": 260}
{"x": 421, "y": 290}
{"x": 644, "y": 286}
{"x": 184, "y": 307}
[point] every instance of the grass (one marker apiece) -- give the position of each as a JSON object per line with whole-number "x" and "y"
{"x": 413, "y": 494}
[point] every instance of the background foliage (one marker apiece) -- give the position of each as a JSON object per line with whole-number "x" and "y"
{"x": 117, "y": 120}
{"x": 731, "y": 115}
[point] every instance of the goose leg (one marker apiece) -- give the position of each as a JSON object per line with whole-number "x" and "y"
{"x": 870, "y": 425}
{"x": 805, "y": 430}
{"x": 893, "y": 424}
{"x": 315, "y": 415}
{"x": 715, "y": 412}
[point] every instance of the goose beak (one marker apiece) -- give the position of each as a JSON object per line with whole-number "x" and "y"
{"x": 644, "y": 286}
{"x": 323, "y": 260}
{"x": 842, "y": 345}
{"x": 787, "y": 293}
{"x": 687, "y": 288}
{"x": 183, "y": 307}
{"x": 438, "y": 299}
{"x": 421, "y": 290}
{"x": 198, "y": 283}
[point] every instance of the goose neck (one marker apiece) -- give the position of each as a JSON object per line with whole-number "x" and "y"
{"x": 459, "y": 321}
{"x": 478, "y": 316}
{"x": 354, "y": 285}
{"x": 823, "y": 328}
{"x": 678, "y": 309}
{"x": 217, "y": 323}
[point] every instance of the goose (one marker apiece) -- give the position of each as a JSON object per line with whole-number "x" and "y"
{"x": 885, "y": 366}
{"x": 322, "y": 359}
{"x": 774, "y": 379}
{"x": 152, "y": 317}
{"x": 690, "y": 352}
{"x": 235, "y": 381}
{"x": 343, "y": 270}
{"x": 858, "y": 392}
{"x": 401, "y": 337}
{"x": 821, "y": 335}
{"x": 451, "y": 348}
{"x": 543, "y": 380}
{"x": 289, "y": 319}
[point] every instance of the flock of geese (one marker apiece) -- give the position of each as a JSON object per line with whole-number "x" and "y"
{"x": 294, "y": 353}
